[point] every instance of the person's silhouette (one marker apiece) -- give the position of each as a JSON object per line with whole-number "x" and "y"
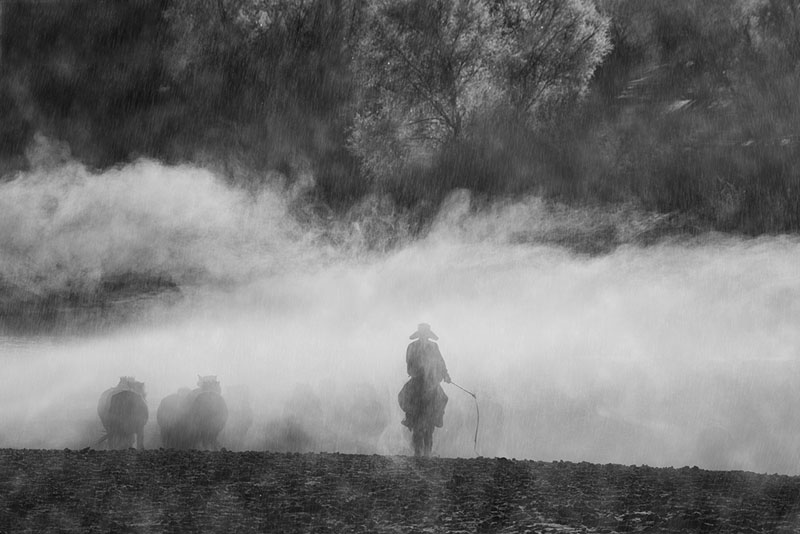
{"x": 422, "y": 398}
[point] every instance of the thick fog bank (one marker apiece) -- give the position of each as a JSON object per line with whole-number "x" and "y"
{"x": 673, "y": 354}
{"x": 65, "y": 229}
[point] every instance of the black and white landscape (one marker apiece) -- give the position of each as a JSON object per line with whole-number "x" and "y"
{"x": 594, "y": 203}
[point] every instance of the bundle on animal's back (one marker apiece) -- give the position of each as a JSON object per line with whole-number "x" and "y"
{"x": 193, "y": 419}
{"x": 123, "y": 412}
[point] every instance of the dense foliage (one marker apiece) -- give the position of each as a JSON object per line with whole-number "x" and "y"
{"x": 684, "y": 106}
{"x": 434, "y": 74}
{"x": 697, "y": 110}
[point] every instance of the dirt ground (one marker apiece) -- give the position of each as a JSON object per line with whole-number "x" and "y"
{"x": 172, "y": 491}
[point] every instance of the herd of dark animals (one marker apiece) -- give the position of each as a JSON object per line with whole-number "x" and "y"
{"x": 188, "y": 419}
{"x": 194, "y": 418}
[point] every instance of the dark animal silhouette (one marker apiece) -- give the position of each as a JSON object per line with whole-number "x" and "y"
{"x": 301, "y": 428}
{"x": 123, "y": 412}
{"x": 361, "y": 419}
{"x": 240, "y": 418}
{"x": 193, "y": 419}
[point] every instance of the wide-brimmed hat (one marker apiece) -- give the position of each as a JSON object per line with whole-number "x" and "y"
{"x": 424, "y": 331}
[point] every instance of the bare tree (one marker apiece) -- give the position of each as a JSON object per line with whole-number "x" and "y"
{"x": 431, "y": 71}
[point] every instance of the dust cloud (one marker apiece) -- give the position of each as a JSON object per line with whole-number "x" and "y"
{"x": 680, "y": 353}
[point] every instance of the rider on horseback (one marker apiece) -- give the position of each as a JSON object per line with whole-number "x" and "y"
{"x": 422, "y": 398}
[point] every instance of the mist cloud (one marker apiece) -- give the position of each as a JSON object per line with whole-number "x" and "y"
{"x": 66, "y": 228}
{"x": 679, "y": 353}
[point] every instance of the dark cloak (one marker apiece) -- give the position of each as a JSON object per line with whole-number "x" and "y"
{"x": 422, "y": 398}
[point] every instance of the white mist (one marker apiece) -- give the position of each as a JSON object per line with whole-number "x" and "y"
{"x": 676, "y": 354}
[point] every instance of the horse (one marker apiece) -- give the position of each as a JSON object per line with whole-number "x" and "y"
{"x": 123, "y": 412}
{"x": 240, "y": 417}
{"x": 424, "y": 404}
{"x": 192, "y": 419}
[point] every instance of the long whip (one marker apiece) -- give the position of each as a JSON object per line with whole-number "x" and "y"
{"x": 101, "y": 440}
{"x": 477, "y": 410}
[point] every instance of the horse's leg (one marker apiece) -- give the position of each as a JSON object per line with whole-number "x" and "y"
{"x": 417, "y": 441}
{"x": 428, "y": 440}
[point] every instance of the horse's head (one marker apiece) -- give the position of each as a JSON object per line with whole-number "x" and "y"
{"x": 209, "y": 383}
{"x": 130, "y": 383}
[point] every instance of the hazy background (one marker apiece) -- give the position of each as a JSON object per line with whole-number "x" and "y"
{"x": 680, "y": 353}
{"x": 595, "y": 203}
